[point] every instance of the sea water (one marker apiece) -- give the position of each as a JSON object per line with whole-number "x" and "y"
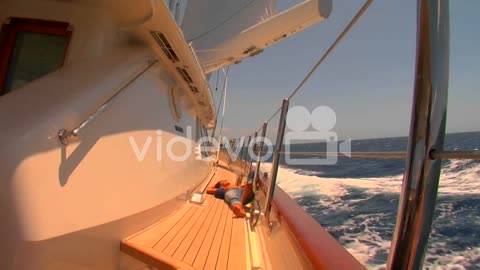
{"x": 356, "y": 200}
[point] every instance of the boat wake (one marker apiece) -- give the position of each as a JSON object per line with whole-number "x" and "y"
{"x": 360, "y": 213}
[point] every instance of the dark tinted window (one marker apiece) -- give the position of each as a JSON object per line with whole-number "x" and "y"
{"x": 30, "y": 49}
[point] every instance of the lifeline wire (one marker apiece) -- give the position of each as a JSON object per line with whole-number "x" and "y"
{"x": 327, "y": 53}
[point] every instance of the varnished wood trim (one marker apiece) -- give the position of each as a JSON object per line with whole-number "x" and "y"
{"x": 322, "y": 249}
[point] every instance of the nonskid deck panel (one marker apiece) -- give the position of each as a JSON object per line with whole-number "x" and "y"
{"x": 194, "y": 237}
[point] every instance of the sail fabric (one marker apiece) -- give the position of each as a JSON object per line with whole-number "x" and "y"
{"x": 208, "y": 23}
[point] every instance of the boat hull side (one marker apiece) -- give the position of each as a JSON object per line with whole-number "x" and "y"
{"x": 121, "y": 166}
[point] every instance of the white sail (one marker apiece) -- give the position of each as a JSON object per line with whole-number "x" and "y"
{"x": 206, "y": 23}
{"x": 225, "y": 32}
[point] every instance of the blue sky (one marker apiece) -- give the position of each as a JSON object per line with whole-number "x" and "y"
{"x": 367, "y": 80}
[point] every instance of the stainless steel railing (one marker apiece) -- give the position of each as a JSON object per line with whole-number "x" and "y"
{"x": 246, "y": 148}
{"x": 427, "y": 132}
{"x": 259, "y": 155}
{"x": 68, "y": 136}
{"x": 251, "y": 157}
{"x": 276, "y": 161}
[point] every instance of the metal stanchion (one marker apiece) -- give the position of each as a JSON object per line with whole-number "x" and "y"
{"x": 246, "y": 153}
{"x": 276, "y": 160}
{"x": 259, "y": 156}
{"x": 251, "y": 158}
{"x": 427, "y": 130}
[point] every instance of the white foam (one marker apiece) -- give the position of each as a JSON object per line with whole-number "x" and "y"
{"x": 303, "y": 182}
{"x": 456, "y": 260}
{"x": 458, "y": 177}
{"x": 360, "y": 244}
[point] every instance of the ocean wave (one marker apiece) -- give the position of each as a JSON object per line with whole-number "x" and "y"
{"x": 360, "y": 213}
{"x": 457, "y": 177}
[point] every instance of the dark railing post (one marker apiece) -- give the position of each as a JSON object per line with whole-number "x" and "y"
{"x": 276, "y": 160}
{"x": 241, "y": 149}
{"x": 251, "y": 158}
{"x": 427, "y": 130}
{"x": 246, "y": 153}
{"x": 259, "y": 156}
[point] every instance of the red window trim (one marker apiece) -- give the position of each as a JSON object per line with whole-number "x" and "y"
{"x": 16, "y": 25}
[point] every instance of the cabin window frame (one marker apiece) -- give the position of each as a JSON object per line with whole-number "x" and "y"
{"x": 8, "y": 37}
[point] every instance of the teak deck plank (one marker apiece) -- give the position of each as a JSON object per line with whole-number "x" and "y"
{"x": 237, "y": 257}
{"x": 167, "y": 238}
{"x": 208, "y": 241}
{"x": 151, "y": 236}
{"x": 193, "y": 237}
{"x": 190, "y": 237}
{"x": 213, "y": 255}
{"x": 178, "y": 239}
{"x": 222, "y": 261}
{"x": 197, "y": 242}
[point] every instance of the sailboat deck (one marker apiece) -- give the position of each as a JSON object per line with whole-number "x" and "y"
{"x": 194, "y": 237}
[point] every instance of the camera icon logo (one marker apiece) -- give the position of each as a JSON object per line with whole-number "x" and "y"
{"x": 322, "y": 119}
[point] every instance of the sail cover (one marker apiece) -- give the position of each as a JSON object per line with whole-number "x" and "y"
{"x": 224, "y": 32}
{"x": 208, "y": 23}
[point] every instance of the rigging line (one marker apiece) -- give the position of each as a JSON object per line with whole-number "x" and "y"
{"x": 223, "y": 110}
{"x": 334, "y": 44}
{"x": 271, "y": 117}
{"x": 216, "y": 84}
{"x": 327, "y": 53}
{"x": 219, "y": 104}
{"x": 225, "y": 85}
{"x": 222, "y": 22}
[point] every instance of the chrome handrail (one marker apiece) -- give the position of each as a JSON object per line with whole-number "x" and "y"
{"x": 259, "y": 156}
{"x": 68, "y": 136}
{"x": 244, "y": 158}
{"x": 276, "y": 161}
{"x": 427, "y": 132}
{"x": 251, "y": 156}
